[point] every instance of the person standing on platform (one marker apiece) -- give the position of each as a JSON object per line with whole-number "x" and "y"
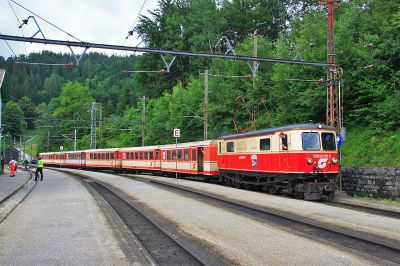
{"x": 25, "y": 165}
{"x": 12, "y": 165}
{"x": 2, "y": 165}
{"x": 39, "y": 169}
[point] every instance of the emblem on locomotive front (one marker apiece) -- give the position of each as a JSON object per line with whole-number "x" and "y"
{"x": 322, "y": 162}
{"x": 254, "y": 161}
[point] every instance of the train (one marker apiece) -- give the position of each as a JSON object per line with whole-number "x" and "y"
{"x": 301, "y": 160}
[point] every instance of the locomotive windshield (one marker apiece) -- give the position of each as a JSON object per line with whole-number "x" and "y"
{"x": 328, "y": 141}
{"x": 310, "y": 141}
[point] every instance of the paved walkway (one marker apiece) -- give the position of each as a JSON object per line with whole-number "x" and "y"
{"x": 10, "y": 184}
{"x": 59, "y": 223}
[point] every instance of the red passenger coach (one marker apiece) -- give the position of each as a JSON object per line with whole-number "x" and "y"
{"x": 136, "y": 159}
{"x": 103, "y": 159}
{"x": 296, "y": 159}
{"x": 75, "y": 159}
{"x": 47, "y": 158}
{"x": 194, "y": 158}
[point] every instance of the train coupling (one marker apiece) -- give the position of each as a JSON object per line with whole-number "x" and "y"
{"x": 318, "y": 191}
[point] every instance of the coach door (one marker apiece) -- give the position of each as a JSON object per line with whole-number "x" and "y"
{"x": 283, "y": 153}
{"x": 82, "y": 159}
{"x": 200, "y": 159}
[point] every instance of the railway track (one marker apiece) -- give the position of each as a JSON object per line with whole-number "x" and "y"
{"x": 161, "y": 248}
{"x": 386, "y": 213}
{"x": 371, "y": 245}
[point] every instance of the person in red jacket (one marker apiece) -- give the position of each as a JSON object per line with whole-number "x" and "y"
{"x": 12, "y": 165}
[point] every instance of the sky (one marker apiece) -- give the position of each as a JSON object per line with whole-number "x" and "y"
{"x": 96, "y": 21}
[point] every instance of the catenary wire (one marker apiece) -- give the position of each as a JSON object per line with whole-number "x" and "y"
{"x": 46, "y": 20}
{"x": 135, "y": 21}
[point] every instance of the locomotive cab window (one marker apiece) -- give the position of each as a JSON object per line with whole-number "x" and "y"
{"x": 310, "y": 141}
{"x": 265, "y": 144}
{"x": 328, "y": 141}
{"x": 230, "y": 146}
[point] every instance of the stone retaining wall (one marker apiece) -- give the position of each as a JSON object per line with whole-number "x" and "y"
{"x": 373, "y": 182}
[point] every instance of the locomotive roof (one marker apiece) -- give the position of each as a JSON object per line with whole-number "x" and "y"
{"x": 275, "y": 129}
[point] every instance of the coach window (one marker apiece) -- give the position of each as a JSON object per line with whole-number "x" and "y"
{"x": 328, "y": 141}
{"x": 103, "y": 156}
{"x": 151, "y": 155}
{"x": 310, "y": 141}
{"x": 265, "y": 144}
{"x": 112, "y": 156}
{"x": 180, "y": 155}
{"x": 186, "y": 155}
{"x": 157, "y": 155}
{"x": 284, "y": 141}
{"x": 168, "y": 155}
{"x": 107, "y": 156}
{"x": 230, "y": 146}
{"x": 141, "y": 155}
{"x": 164, "y": 155}
{"x": 194, "y": 155}
{"x": 136, "y": 156}
{"x": 146, "y": 155}
{"x": 174, "y": 155}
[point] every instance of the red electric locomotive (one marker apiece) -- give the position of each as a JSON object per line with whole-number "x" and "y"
{"x": 300, "y": 159}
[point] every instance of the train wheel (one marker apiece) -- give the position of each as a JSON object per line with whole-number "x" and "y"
{"x": 299, "y": 195}
{"x": 273, "y": 190}
{"x": 238, "y": 185}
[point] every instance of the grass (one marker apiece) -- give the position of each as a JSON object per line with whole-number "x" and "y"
{"x": 363, "y": 148}
{"x": 392, "y": 202}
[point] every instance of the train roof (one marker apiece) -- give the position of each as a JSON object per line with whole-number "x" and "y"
{"x": 102, "y": 150}
{"x": 140, "y": 148}
{"x": 189, "y": 144}
{"x": 276, "y": 129}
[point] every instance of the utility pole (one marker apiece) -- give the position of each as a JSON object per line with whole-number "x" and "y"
{"x": 206, "y": 104}
{"x": 2, "y": 74}
{"x": 332, "y": 112}
{"x": 93, "y": 126}
{"x": 48, "y": 139}
{"x": 74, "y": 139}
{"x": 143, "y": 117}
{"x": 101, "y": 124}
{"x": 255, "y": 52}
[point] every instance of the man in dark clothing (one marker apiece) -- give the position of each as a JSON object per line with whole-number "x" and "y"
{"x": 39, "y": 169}
{"x": 2, "y": 165}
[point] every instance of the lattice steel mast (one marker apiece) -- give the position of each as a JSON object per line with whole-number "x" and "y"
{"x": 332, "y": 105}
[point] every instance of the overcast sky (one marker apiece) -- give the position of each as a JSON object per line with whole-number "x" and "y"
{"x": 97, "y": 21}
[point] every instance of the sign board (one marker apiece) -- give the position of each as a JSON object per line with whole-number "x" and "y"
{"x": 177, "y": 132}
{"x": 339, "y": 140}
{"x": 61, "y": 148}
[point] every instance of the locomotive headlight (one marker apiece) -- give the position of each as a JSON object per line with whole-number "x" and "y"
{"x": 334, "y": 160}
{"x": 310, "y": 160}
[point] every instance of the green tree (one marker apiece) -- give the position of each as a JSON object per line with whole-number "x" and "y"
{"x": 29, "y": 111}
{"x": 14, "y": 123}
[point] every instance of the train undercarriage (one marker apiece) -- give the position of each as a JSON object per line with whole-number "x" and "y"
{"x": 302, "y": 186}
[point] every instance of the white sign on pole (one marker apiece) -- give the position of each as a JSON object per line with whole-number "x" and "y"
{"x": 177, "y": 132}
{"x": 61, "y": 148}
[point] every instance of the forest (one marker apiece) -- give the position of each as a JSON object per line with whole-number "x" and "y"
{"x": 49, "y": 102}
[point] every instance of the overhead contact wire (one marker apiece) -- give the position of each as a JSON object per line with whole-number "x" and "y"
{"x": 46, "y": 21}
{"x": 134, "y": 23}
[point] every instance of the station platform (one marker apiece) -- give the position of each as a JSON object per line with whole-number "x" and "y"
{"x": 8, "y": 185}
{"x": 58, "y": 223}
